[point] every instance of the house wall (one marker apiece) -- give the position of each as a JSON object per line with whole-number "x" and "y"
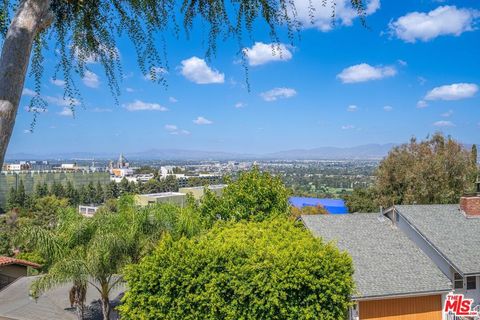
{"x": 473, "y": 293}
{"x": 411, "y": 308}
{"x": 178, "y": 200}
{"x": 197, "y": 193}
{"x": 14, "y": 271}
{"x": 10, "y": 273}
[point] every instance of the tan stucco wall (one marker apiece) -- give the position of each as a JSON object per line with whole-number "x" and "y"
{"x": 177, "y": 199}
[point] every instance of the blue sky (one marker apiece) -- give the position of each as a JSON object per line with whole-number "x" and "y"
{"x": 414, "y": 71}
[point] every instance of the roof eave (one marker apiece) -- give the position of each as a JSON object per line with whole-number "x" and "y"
{"x": 401, "y": 295}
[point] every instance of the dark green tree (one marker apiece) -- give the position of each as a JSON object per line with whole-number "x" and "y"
{"x": 12, "y": 200}
{"x": 41, "y": 190}
{"x": 111, "y": 190}
{"x": 362, "y": 200}
{"x": 83, "y": 195}
{"x": 72, "y": 194}
{"x": 17, "y": 197}
{"x": 124, "y": 187}
{"x": 99, "y": 194}
{"x": 57, "y": 190}
{"x": 169, "y": 184}
{"x": 46, "y": 210}
{"x": 151, "y": 186}
{"x": 437, "y": 170}
{"x": 91, "y": 193}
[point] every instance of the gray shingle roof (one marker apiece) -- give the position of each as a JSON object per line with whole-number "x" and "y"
{"x": 449, "y": 231}
{"x": 386, "y": 262}
{"x": 16, "y": 304}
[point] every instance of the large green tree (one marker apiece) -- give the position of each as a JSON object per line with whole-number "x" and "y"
{"x": 437, "y": 170}
{"x": 84, "y": 30}
{"x": 246, "y": 270}
{"x": 255, "y": 196}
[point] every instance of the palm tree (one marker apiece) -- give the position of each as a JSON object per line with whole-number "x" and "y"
{"x": 95, "y": 250}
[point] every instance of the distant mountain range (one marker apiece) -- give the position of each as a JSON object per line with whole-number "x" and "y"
{"x": 368, "y": 151}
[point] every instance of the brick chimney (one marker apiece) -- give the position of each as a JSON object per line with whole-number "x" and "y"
{"x": 471, "y": 204}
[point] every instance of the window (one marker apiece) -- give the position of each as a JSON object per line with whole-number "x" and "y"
{"x": 471, "y": 283}
{"x": 457, "y": 281}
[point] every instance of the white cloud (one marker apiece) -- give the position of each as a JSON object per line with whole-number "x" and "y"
{"x": 422, "y": 104}
{"x": 197, "y": 70}
{"x": 182, "y": 132}
{"x": 240, "y": 105}
{"x": 403, "y": 63}
{"x": 62, "y": 102}
{"x": 278, "y": 93}
{"x": 138, "y": 105}
{"x": 130, "y": 90}
{"x": 171, "y": 127}
{"x": 28, "y": 92}
{"x": 447, "y": 114}
{"x": 387, "y": 108}
{"x": 352, "y": 108}
{"x": 261, "y": 53}
{"x": 90, "y": 79}
{"x": 365, "y": 72}
{"x": 454, "y": 91}
{"x": 101, "y": 110}
{"x": 57, "y": 101}
{"x": 57, "y": 82}
{"x": 202, "y": 121}
{"x": 444, "y": 124}
{"x": 348, "y": 127}
{"x": 445, "y": 20}
{"x": 155, "y": 73}
{"x": 36, "y": 109}
{"x": 321, "y": 16}
{"x": 66, "y": 112}
{"x": 421, "y": 80}
{"x": 174, "y": 130}
{"x": 172, "y": 100}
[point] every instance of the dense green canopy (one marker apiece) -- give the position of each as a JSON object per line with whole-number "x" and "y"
{"x": 246, "y": 270}
{"x": 254, "y": 196}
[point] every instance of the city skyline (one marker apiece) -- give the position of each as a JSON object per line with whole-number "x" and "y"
{"x": 343, "y": 85}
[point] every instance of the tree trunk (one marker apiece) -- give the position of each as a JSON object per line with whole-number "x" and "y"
{"x": 31, "y": 17}
{"x": 106, "y": 307}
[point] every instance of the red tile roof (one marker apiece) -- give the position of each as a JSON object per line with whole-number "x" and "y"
{"x": 5, "y": 261}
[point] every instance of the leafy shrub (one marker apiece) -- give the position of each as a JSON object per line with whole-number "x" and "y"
{"x": 246, "y": 270}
